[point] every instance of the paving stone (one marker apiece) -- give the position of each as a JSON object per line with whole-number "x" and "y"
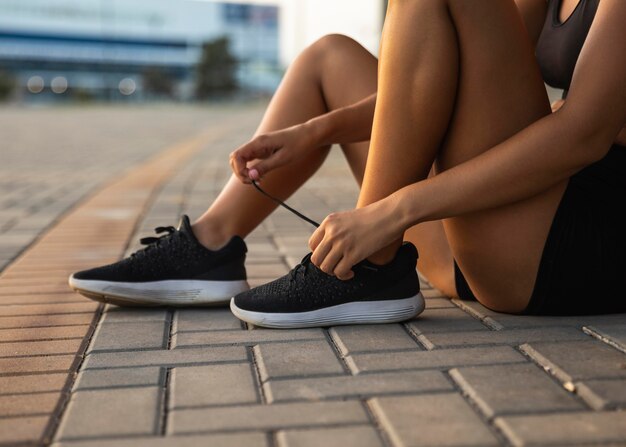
{"x": 593, "y": 428}
{"x": 267, "y": 270}
{"x": 129, "y": 336}
{"x": 513, "y": 389}
{"x": 383, "y": 337}
{"x": 439, "y": 303}
{"x": 572, "y": 361}
{"x": 438, "y": 359}
{"x": 31, "y": 383}
{"x": 613, "y": 334}
{"x": 428, "y": 420}
{"x": 353, "y": 436}
{"x": 39, "y": 347}
{"x": 48, "y": 309}
{"x": 298, "y": 359}
{"x": 364, "y": 385}
{"x": 244, "y": 337}
{"x": 45, "y": 320}
{"x": 14, "y": 431}
{"x": 119, "y": 377}
{"x": 266, "y": 417}
{"x": 439, "y": 340}
{"x": 49, "y": 363}
{"x": 205, "y": 320}
{"x": 111, "y": 412}
{"x": 195, "y": 386}
{"x": 114, "y": 314}
{"x": 165, "y": 358}
{"x": 603, "y": 394}
{"x": 214, "y": 440}
{"x": 28, "y": 404}
{"x": 445, "y": 320}
{"x": 49, "y": 333}
{"x": 510, "y": 321}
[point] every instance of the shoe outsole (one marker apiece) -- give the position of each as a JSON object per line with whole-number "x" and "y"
{"x": 358, "y": 312}
{"x": 160, "y": 293}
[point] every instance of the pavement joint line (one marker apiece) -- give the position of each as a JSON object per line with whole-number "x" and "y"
{"x": 489, "y": 322}
{"x": 591, "y": 331}
{"x": 340, "y": 357}
{"x": 377, "y": 423}
{"x": 420, "y": 340}
{"x": 477, "y": 409}
{"x": 255, "y": 359}
{"x": 165, "y": 398}
{"x": 55, "y": 418}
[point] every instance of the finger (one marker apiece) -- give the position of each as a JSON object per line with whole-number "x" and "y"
{"x": 320, "y": 253}
{"x": 343, "y": 269}
{"x": 331, "y": 260}
{"x": 241, "y": 174}
{"x": 316, "y": 238}
{"x": 274, "y": 161}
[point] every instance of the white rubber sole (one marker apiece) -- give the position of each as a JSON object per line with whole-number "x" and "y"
{"x": 160, "y": 293}
{"x": 359, "y": 312}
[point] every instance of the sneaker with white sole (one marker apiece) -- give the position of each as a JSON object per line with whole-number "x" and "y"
{"x": 172, "y": 270}
{"x": 308, "y": 297}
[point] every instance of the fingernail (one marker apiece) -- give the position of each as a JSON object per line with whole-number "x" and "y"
{"x": 253, "y": 174}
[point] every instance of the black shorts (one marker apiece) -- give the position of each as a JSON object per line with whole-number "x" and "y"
{"x": 583, "y": 266}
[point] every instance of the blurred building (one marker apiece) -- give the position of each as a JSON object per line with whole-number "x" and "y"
{"x": 106, "y": 48}
{"x": 115, "y": 49}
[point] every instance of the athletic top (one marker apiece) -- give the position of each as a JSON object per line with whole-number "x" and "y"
{"x": 559, "y": 44}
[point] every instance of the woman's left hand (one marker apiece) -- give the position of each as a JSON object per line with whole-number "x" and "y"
{"x": 346, "y": 238}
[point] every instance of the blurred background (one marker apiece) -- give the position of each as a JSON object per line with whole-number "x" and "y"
{"x": 167, "y": 50}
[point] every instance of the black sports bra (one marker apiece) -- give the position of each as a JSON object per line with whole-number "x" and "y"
{"x": 559, "y": 45}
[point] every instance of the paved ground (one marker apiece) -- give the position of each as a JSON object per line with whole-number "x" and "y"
{"x": 79, "y": 186}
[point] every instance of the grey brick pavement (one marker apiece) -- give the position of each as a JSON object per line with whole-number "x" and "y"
{"x": 459, "y": 375}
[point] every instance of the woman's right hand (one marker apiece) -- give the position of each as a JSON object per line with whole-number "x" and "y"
{"x": 269, "y": 151}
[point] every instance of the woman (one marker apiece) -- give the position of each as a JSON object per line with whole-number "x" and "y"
{"x": 505, "y": 200}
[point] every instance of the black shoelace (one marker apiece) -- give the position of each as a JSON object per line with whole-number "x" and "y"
{"x": 284, "y": 205}
{"x": 151, "y": 242}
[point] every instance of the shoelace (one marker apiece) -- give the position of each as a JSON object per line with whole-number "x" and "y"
{"x": 304, "y": 264}
{"x": 284, "y": 205}
{"x": 152, "y": 241}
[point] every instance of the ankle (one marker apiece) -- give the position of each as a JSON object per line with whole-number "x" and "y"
{"x": 210, "y": 236}
{"x": 385, "y": 255}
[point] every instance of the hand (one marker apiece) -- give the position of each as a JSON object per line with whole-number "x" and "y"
{"x": 556, "y": 105}
{"x": 346, "y": 238}
{"x": 271, "y": 150}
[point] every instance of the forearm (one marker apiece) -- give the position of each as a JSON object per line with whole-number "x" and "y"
{"x": 345, "y": 125}
{"x": 537, "y": 158}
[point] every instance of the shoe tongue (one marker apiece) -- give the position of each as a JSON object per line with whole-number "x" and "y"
{"x": 184, "y": 226}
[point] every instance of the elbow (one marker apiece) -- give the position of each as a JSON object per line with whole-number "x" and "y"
{"x": 590, "y": 139}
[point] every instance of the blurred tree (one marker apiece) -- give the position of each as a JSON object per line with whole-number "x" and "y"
{"x": 215, "y": 73}
{"x": 7, "y": 84}
{"x": 158, "y": 82}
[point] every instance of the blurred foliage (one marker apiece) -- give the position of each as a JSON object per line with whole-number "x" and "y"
{"x": 82, "y": 95}
{"x": 7, "y": 84}
{"x": 158, "y": 82}
{"x": 215, "y": 73}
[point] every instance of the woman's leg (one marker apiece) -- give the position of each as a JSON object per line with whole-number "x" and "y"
{"x": 333, "y": 72}
{"x": 464, "y": 77}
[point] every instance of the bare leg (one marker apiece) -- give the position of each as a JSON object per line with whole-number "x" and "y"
{"x": 480, "y": 51}
{"x": 332, "y": 73}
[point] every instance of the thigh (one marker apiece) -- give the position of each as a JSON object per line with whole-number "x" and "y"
{"x": 500, "y": 92}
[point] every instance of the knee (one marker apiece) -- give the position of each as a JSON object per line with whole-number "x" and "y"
{"x": 331, "y": 44}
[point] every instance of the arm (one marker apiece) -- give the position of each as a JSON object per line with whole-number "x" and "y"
{"x": 535, "y": 159}
{"x": 345, "y": 125}
{"x": 619, "y": 139}
{"x": 545, "y": 153}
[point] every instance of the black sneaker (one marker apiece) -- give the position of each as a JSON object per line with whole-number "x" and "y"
{"x": 308, "y": 297}
{"x": 173, "y": 270}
